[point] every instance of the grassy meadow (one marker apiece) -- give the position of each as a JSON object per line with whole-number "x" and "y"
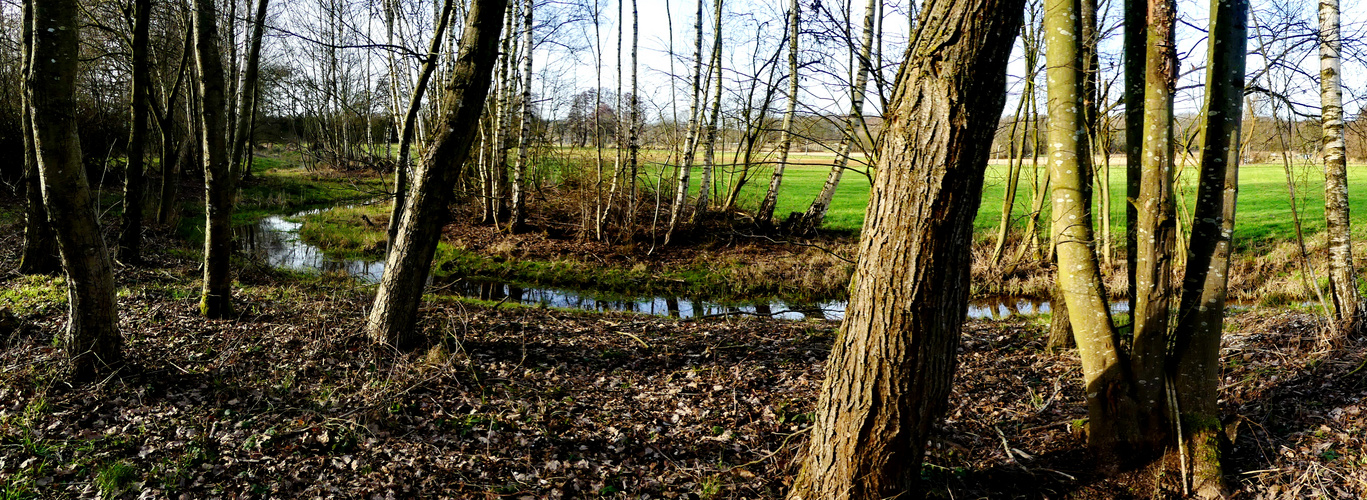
{"x": 1264, "y": 215}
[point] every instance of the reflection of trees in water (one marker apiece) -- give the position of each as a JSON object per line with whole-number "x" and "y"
{"x": 275, "y": 241}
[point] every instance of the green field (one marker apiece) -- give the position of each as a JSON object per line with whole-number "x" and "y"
{"x": 1264, "y": 211}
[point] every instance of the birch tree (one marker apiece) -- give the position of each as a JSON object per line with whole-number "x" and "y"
{"x": 816, "y": 212}
{"x": 1347, "y": 301}
{"x": 888, "y": 375}
{"x": 690, "y": 143}
{"x": 765, "y": 215}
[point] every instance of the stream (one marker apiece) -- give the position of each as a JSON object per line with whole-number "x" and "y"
{"x": 275, "y": 240}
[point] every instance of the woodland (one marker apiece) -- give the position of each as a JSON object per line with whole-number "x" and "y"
{"x": 840, "y": 249}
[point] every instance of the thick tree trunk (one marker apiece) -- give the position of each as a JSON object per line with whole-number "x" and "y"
{"x": 1110, "y": 406}
{"x": 1348, "y": 302}
{"x": 410, "y": 119}
{"x": 92, "y": 340}
{"x": 816, "y": 212}
{"x": 765, "y": 215}
{"x": 219, "y": 176}
{"x": 394, "y": 314}
{"x": 1157, "y": 224}
{"x": 1196, "y": 340}
{"x": 130, "y": 229}
{"x": 889, "y": 372}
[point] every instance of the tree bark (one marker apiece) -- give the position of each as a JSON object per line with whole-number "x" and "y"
{"x": 765, "y": 215}
{"x": 1343, "y": 285}
{"x": 40, "y": 255}
{"x": 1196, "y": 339}
{"x": 1135, "y": 41}
{"x": 1106, "y": 374}
{"x": 1157, "y": 223}
{"x": 691, "y": 143}
{"x": 889, "y": 372}
{"x": 394, "y": 314}
{"x": 710, "y": 143}
{"x": 219, "y": 176}
{"x": 134, "y": 186}
{"x": 92, "y": 340}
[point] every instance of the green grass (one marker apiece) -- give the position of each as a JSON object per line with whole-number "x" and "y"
{"x": 344, "y": 233}
{"x": 27, "y": 295}
{"x": 281, "y": 186}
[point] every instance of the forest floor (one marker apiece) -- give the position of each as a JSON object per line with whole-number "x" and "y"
{"x": 290, "y": 400}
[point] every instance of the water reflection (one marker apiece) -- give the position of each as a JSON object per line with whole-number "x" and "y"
{"x": 276, "y": 241}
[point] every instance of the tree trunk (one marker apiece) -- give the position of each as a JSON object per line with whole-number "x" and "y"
{"x": 410, "y": 119}
{"x": 519, "y": 209}
{"x": 246, "y": 103}
{"x": 1157, "y": 224}
{"x": 394, "y": 315}
{"x": 710, "y": 148}
{"x": 134, "y": 186}
{"x": 816, "y": 213}
{"x": 889, "y": 372}
{"x": 1135, "y": 41}
{"x": 92, "y": 340}
{"x": 39, "y": 255}
{"x": 1348, "y": 302}
{"x": 1110, "y": 407}
{"x": 690, "y": 144}
{"x": 1196, "y": 339}
{"x": 766, "y": 207}
{"x": 219, "y": 176}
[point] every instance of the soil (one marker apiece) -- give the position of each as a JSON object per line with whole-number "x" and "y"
{"x": 290, "y": 400}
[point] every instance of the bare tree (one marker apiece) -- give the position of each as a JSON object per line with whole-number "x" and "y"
{"x": 394, "y": 314}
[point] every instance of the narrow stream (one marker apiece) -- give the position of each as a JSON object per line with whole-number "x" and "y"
{"x": 276, "y": 241}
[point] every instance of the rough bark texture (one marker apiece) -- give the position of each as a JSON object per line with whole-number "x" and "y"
{"x": 1348, "y": 303}
{"x": 92, "y": 341}
{"x": 134, "y": 186}
{"x": 394, "y": 314}
{"x": 766, "y": 207}
{"x": 1196, "y": 340}
{"x": 889, "y": 371}
{"x": 39, "y": 255}
{"x": 219, "y": 179}
{"x": 1110, "y": 407}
